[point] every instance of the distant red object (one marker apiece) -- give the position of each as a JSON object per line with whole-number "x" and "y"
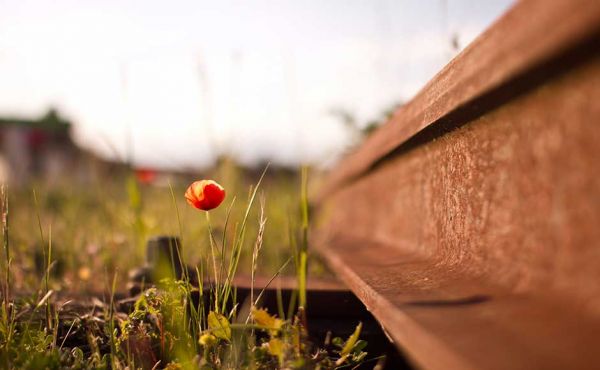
{"x": 145, "y": 175}
{"x": 205, "y": 194}
{"x": 36, "y": 138}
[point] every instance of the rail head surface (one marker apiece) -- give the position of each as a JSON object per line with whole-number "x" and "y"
{"x": 527, "y": 36}
{"x": 468, "y": 225}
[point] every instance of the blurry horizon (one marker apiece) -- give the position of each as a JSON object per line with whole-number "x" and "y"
{"x": 177, "y": 84}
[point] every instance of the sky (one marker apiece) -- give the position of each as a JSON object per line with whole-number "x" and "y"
{"x": 175, "y": 83}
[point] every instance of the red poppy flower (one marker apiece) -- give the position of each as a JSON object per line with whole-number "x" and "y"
{"x": 205, "y": 194}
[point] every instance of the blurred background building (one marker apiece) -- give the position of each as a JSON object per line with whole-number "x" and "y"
{"x": 40, "y": 147}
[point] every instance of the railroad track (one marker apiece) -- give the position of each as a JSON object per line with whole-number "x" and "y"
{"x": 469, "y": 225}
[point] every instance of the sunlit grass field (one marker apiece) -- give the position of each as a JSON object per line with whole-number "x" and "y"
{"x": 69, "y": 248}
{"x": 100, "y": 228}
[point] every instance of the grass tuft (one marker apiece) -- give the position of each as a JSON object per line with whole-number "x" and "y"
{"x": 194, "y": 320}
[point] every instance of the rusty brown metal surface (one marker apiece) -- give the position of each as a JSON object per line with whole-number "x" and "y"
{"x": 530, "y": 34}
{"x": 514, "y": 195}
{"x": 444, "y": 319}
{"x": 475, "y": 237}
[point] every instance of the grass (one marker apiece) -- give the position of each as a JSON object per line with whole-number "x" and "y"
{"x": 99, "y": 230}
{"x": 94, "y": 223}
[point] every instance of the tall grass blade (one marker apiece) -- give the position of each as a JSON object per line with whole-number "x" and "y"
{"x": 302, "y": 268}
{"x": 111, "y": 323}
{"x": 271, "y": 280}
{"x": 262, "y": 221}
{"x": 239, "y": 243}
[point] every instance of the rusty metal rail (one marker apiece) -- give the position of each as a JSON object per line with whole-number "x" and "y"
{"x": 470, "y": 223}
